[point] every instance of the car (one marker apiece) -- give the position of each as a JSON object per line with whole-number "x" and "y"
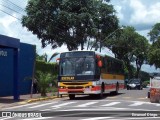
{"x": 134, "y": 83}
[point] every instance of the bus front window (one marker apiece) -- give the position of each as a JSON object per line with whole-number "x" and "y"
{"x": 77, "y": 66}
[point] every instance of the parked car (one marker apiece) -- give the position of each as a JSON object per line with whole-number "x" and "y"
{"x": 134, "y": 84}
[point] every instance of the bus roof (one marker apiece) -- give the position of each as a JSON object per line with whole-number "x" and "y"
{"x": 97, "y": 53}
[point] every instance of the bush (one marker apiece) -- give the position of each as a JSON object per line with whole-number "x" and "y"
{"x": 43, "y": 81}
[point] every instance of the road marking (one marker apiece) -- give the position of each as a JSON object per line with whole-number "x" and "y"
{"x": 126, "y": 97}
{"x": 43, "y": 105}
{"x": 21, "y": 106}
{"x": 141, "y": 98}
{"x": 135, "y": 118}
{"x": 6, "y": 118}
{"x": 63, "y": 104}
{"x": 111, "y": 104}
{"x": 96, "y": 118}
{"x": 86, "y": 104}
{"x": 41, "y": 118}
{"x": 137, "y": 104}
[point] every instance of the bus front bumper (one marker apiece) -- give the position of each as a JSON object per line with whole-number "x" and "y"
{"x": 93, "y": 90}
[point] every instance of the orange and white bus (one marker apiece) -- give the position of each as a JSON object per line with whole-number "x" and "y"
{"x": 85, "y": 72}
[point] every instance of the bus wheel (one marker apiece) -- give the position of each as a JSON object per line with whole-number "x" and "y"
{"x": 71, "y": 96}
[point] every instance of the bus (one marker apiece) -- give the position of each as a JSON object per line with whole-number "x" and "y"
{"x": 89, "y": 73}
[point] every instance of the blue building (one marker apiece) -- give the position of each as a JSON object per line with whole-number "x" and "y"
{"x": 16, "y": 63}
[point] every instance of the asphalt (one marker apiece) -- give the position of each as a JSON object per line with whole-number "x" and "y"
{"x": 24, "y": 99}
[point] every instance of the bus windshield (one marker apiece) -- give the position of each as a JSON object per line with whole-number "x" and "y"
{"x": 77, "y": 66}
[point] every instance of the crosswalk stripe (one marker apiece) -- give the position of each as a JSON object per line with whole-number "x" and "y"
{"x": 60, "y": 105}
{"x": 96, "y": 118}
{"x": 40, "y": 118}
{"x": 21, "y": 106}
{"x": 136, "y": 104}
{"x": 42, "y": 105}
{"x": 6, "y": 118}
{"x": 86, "y": 104}
{"x": 111, "y": 104}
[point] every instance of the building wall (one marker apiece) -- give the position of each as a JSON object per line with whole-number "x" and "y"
{"x": 26, "y": 61}
{"x": 6, "y": 71}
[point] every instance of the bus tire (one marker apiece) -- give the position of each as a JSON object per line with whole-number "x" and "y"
{"x": 71, "y": 96}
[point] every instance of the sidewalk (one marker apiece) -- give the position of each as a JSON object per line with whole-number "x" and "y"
{"x": 9, "y": 101}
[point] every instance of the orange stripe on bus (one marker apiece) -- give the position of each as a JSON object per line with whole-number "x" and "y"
{"x": 95, "y": 88}
{"x": 112, "y": 76}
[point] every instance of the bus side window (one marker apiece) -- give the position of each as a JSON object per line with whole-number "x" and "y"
{"x": 109, "y": 64}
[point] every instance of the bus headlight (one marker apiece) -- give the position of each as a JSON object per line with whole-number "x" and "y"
{"x": 96, "y": 83}
{"x": 62, "y": 87}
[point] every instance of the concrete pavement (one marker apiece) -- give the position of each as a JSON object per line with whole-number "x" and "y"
{"x": 9, "y": 101}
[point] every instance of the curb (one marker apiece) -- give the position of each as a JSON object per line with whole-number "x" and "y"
{"x": 31, "y": 101}
{"x": 41, "y": 99}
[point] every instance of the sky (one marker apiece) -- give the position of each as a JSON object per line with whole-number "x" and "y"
{"x": 141, "y": 14}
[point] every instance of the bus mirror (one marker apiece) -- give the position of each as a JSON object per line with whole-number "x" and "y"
{"x": 98, "y": 57}
{"x": 99, "y": 63}
{"x": 58, "y": 59}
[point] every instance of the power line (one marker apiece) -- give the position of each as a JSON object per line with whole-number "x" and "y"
{"x": 10, "y": 15}
{"x": 14, "y": 4}
{"x": 11, "y": 9}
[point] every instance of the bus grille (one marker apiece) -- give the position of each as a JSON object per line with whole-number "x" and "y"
{"x": 75, "y": 92}
{"x": 75, "y": 83}
{"x": 76, "y": 87}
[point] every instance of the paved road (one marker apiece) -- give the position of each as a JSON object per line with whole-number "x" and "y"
{"x": 126, "y": 105}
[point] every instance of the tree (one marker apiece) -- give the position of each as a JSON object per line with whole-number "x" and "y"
{"x": 154, "y": 51}
{"x": 129, "y": 46}
{"x": 45, "y": 58}
{"x": 43, "y": 81}
{"x": 155, "y": 33}
{"x": 140, "y": 52}
{"x": 154, "y": 54}
{"x": 70, "y": 22}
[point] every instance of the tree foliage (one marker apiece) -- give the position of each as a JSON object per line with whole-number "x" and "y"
{"x": 154, "y": 52}
{"x": 155, "y": 33}
{"x": 130, "y": 47}
{"x": 70, "y": 22}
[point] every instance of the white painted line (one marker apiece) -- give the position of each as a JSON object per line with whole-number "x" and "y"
{"x": 60, "y": 105}
{"x": 86, "y": 104}
{"x": 41, "y": 118}
{"x": 137, "y": 104}
{"x": 6, "y": 118}
{"x": 97, "y": 118}
{"x": 136, "y": 118}
{"x": 46, "y": 110}
{"x": 111, "y": 104}
{"x": 21, "y": 106}
{"x": 43, "y": 105}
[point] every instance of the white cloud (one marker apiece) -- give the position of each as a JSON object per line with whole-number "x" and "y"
{"x": 144, "y": 14}
{"x": 119, "y": 11}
